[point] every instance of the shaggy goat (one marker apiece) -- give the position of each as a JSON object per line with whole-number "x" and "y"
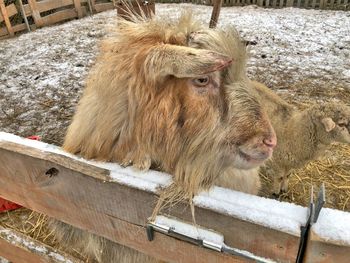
{"x": 153, "y": 101}
{"x": 302, "y": 135}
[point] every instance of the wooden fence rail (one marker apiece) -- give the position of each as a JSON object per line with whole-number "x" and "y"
{"x": 116, "y": 203}
{"x": 63, "y": 10}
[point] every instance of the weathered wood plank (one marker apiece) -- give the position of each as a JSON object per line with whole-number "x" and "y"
{"x": 46, "y": 5}
{"x": 17, "y": 247}
{"x": 35, "y": 12}
{"x": 5, "y": 17}
{"x": 11, "y": 11}
{"x": 103, "y": 7}
{"x": 59, "y": 16}
{"x": 289, "y": 3}
{"x": 70, "y": 196}
{"x": 319, "y": 250}
{"x": 16, "y": 28}
{"x": 77, "y": 5}
{"x": 313, "y": 3}
{"x": 215, "y": 13}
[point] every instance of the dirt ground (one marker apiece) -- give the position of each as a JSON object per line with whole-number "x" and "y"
{"x": 304, "y": 55}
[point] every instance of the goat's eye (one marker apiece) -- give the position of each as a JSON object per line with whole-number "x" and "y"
{"x": 342, "y": 124}
{"x": 202, "y": 81}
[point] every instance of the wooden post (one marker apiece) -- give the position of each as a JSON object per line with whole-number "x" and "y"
{"x": 289, "y": 3}
{"x": 90, "y": 7}
{"x": 24, "y": 15}
{"x": 93, "y": 3}
{"x": 77, "y": 5}
{"x": 6, "y": 18}
{"x": 215, "y": 13}
{"x": 35, "y": 13}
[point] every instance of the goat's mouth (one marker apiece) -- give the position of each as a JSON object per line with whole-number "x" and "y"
{"x": 253, "y": 158}
{"x": 246, "y": 160}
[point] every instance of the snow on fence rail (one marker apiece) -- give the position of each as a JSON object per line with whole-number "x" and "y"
{"x": 48, "y": 12}
{"x": 266, "y": 228}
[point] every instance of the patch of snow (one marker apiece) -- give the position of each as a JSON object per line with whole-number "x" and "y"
{"x": 333, "y": 226}
{"x": 285, "y": 217}
{"x": 4, "y": 260}
{"x": 14, "y": 239}
{"x": 17, "y": 240}
{"x": 58, "y": 257}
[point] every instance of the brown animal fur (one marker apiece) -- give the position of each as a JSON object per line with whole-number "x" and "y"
{"x": 302, "y": 135}
{"x": 153, "y": 101}
{"x": 247, "y": 181}
{"x": 141, "y": 104}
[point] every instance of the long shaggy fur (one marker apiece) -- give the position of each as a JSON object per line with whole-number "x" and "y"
{"x": 156, "y": 99}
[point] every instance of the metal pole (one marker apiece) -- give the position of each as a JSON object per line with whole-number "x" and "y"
{"x": 215, "y": 13}
{"x": 24, "y": 15}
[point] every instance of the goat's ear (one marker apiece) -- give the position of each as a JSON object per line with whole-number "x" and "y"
{"x": 328, "y": 124}
{"x": 184, "y": 62}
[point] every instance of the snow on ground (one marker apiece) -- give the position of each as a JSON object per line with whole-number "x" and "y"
{"x": 42, "y": 73}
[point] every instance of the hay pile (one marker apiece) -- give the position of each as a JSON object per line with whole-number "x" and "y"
{"x": 332, "y": 169}
{"x": 34, "y": 225}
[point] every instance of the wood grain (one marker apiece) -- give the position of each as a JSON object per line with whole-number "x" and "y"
{"x": 11, "y": 11}
{"x": 84, "y": 196}
{"x": 321, "y": 251}
{"x": 5, "y": 17}
{"x": 35, "y": 12}
{"x": 77, "y": 5}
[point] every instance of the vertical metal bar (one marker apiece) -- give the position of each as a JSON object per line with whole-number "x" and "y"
{"x": 23, "y": 12}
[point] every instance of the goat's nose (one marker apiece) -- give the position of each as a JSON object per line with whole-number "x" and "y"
{"x": 271, "y": 141}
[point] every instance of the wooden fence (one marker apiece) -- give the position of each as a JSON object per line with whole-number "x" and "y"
{"x": 116, "y": 203}
{"x": 314, "y": 4}
{"x": 48, "y": 12}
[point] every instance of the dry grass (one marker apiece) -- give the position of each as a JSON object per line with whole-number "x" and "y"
{"x": 332, "y": 169}
{"x": 29, "y": 223}
{"x": 34, "y": 225}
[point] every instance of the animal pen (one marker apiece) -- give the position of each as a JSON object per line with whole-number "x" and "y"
{"x": 15, "y": 16}
{"x": 232, "y": 226}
